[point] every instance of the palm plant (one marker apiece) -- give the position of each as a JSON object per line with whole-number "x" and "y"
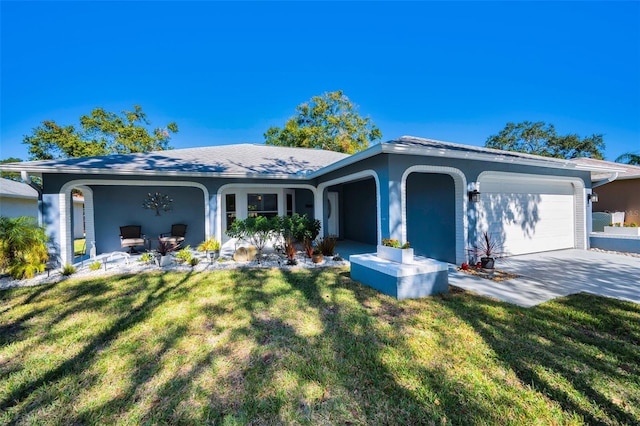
{"x": 23, "y": 248}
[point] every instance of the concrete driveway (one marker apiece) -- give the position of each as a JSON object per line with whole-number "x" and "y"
{"x": 544, "y": 276}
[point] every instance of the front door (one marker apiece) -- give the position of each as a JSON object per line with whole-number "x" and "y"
{"x": 333, "y": 223}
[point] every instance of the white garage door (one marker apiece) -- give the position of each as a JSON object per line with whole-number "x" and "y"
{"x": 529, "y": 215}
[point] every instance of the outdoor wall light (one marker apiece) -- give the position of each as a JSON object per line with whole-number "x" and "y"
{"x": 474, "y": 196}
{"x": 593, "y": 197}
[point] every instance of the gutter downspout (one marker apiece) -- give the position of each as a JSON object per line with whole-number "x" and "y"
{"x": 611, "y": 178}
{"x": 27, "y": 179}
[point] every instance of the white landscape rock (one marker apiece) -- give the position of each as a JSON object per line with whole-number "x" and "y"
{"x": 133, "y": 265}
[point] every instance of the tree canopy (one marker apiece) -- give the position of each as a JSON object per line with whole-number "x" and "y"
{"x": 100, "y": 133}
{"x": 541, "y": 139}
{"x": 629, "y": 158}
{"x": 330, "y": 121}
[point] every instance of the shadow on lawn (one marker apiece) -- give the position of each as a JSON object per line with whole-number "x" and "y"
{"x": 580, "y": 343}
{"x": 345, "y": 360}
{"x": 310, "y": 346}
{"x": 76, "y": 367}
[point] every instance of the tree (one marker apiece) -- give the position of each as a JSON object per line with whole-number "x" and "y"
{"x": 11, "y": 175}
{"x": 101, "y": 133}
{"x": 629, "y": 158}
{"x": 328, "y": 122}
{"x": 541, "y": 139}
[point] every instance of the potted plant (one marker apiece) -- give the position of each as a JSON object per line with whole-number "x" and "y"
{"x": 327, "y": 245}
{"x": 487, "y": 249}
{"x": 622, "y": 229}
{"x": 290, "y": 250}
{"x": 212, "y": 247}
{"x": 307, "y": 245}
{"x": 316, "y": 256}
{"x": 163, "y": 251}
{"x": 392, "y": 250}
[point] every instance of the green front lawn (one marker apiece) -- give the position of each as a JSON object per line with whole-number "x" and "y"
{"x": 310, "y": 347}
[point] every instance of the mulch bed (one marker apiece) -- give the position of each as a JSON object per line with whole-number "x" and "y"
{"x": 495, "y": 275}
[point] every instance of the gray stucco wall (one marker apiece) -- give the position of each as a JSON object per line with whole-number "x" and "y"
{"x": 117, "y": 206}
{"x": 431, "y": 216}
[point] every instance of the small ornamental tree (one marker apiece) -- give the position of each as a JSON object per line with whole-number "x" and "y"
{"x": 256, "y": 230}
{"x": 259, "y": 230}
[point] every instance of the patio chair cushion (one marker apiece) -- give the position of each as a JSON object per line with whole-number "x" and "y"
{"x": 176, "y": 236}
{"x": 131, "y": 236}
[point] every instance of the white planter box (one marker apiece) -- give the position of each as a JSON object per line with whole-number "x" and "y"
{"x": 620, "y": 230}
{"x": 395, "y": 254}
{"x": 164, "y": 260}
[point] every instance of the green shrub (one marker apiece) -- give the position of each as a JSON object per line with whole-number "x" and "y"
{"x": 209, "y": 245}
{"x": 146, "y": 257}
{"x": 194, "y": 261}
{"x": 95, "y": 266}
{"x": 23, "y": 247}
{"x": 298, "y": 227}
{"x": 184, "y": 255}
{"x": 68, "y": 270}
{"x": 256, "y": 230}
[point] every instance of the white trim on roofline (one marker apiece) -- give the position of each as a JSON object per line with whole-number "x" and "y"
{"x": 163, "y": 173}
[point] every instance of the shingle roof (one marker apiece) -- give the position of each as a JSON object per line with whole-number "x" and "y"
{"x": 227, "y": 160}
{"x": 630, "y": 172}
{"x": 412, "y": 141}
{"x": 13, "y": 189}
{"x": 249, "y": 160}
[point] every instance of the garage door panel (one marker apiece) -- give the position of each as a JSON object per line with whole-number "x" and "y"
{"x": 531, "y": 217}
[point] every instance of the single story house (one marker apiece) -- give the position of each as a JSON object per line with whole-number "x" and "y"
{"x": 620, "y": 194}
{"x": 439, "y": 196}
{"x": 17, "y": 199}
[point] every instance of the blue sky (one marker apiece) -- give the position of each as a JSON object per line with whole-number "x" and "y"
{"x": 226, "y": 72}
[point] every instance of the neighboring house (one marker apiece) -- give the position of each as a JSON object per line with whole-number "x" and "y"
{"x": 17, "y": 199}
{"x": 78, "y": 216}
{"x": 409, "y": 189}
{"x": 619, "y": 195}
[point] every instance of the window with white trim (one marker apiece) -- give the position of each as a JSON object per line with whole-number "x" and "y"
{"x": 262, "y": 205}
{"x": 230, "y": 201}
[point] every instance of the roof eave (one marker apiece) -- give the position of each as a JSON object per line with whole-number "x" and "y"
{"x": 358, "y": 156}
{"x": 20, "y": 196}
{"x": 172, "y": 173}
{"x": 491, "y": 157}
